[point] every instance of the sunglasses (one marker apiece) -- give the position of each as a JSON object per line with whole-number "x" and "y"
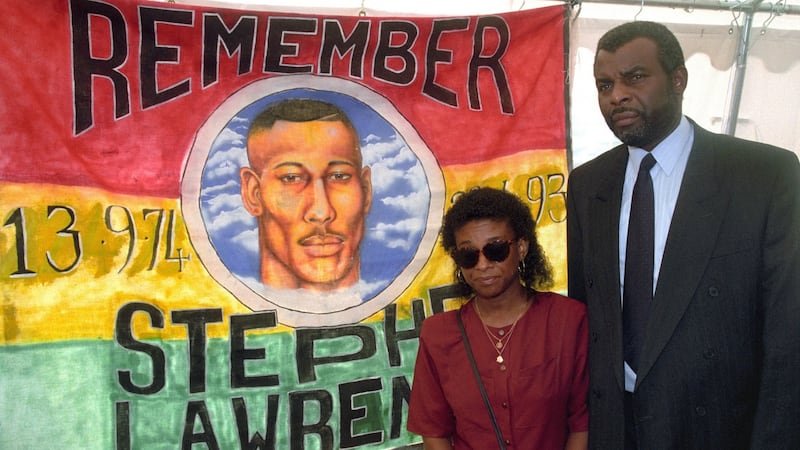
{"x": 496, "y": 251}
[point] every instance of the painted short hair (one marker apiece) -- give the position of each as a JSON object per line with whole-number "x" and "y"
{"x": 298, "y": 110}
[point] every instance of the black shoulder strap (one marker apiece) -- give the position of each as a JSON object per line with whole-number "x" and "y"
{"x": 480, "y": 382}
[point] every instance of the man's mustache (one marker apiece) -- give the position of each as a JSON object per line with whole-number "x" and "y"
{"x": 624, "y": 109}
{"x": 323, "y": 238}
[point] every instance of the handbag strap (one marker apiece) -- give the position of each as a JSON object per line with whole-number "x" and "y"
{"x": 480, "y": 382}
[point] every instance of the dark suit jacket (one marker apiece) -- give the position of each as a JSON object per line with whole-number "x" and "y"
{"x": 720, "y": 367}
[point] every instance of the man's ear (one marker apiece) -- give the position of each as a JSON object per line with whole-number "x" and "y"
{"x": 251, "y": 191}
{"x": 680, "y": 77}
{"x": 366, "y": 186}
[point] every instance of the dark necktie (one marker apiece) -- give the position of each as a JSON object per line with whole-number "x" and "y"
{"x": 638, "y": 288}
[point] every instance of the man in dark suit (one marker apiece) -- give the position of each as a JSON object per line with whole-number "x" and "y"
{"x": 713, "y": 361}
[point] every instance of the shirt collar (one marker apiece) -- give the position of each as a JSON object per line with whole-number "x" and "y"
{"x": 668, "y": 152}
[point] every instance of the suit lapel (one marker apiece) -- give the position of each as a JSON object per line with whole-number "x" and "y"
{"x": 698, "y": 214}
{"x": 605, "y": 209}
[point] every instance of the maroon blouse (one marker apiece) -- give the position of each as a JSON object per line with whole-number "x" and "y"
{"x": 538, "y": 394}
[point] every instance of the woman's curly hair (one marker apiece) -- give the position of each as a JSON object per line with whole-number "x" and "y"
{"x": 494, "y": 204}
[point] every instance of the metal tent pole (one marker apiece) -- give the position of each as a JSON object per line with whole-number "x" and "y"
{"x": 737, "y": 84}
{"x": 778, "y": 8}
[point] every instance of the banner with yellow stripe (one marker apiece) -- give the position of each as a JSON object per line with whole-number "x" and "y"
{"x": 220, "y": 226}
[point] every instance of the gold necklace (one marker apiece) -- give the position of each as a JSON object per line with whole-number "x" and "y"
{"x": 499, "y": 343}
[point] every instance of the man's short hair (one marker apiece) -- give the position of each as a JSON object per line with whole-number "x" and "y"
{"x": 670, "y": 54}
{"x": 298, "y": 110}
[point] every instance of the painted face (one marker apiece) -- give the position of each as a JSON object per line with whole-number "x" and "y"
{"x": 311, "y": 197}
{"x": 640, "y": 102}
{"x": 491, "y": 279}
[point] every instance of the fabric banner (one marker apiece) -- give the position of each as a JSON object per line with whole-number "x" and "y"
{"x": 185, "y": 264}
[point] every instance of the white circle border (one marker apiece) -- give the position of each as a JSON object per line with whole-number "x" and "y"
{"x": 198, "y": 156}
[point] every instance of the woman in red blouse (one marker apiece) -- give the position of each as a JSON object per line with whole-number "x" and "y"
{"x": 529, "y": 345}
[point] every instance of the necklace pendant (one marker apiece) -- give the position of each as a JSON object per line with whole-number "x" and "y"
{"x": 501, "y": 332}
{"x": 499, "y": 345}
{"x": 499, "y": 359}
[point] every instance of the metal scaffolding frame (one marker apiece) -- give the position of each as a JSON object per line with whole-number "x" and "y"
{"x": 747, "y": 9}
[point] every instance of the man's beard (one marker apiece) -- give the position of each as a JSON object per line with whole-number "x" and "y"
{"x": 654, "y": 126}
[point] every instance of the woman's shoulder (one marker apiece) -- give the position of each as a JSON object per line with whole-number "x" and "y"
{"x": 558, "y": 303}
{"x": 445, "y": 322}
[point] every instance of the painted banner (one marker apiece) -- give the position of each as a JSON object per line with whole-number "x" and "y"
{"x": 220, "y": 227}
